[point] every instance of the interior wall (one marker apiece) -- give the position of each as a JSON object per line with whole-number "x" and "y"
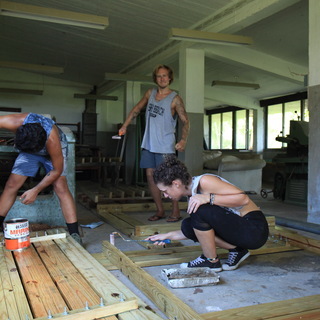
{"x": 110, "y": 114}
{"x": 58, "y": 101}
{"x": 57, "y": 98}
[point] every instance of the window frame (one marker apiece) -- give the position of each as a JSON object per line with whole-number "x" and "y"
{"x": 282, "y": 100}
{"x": 221, "y": 111}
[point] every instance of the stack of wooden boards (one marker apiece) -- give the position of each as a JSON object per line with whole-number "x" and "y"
{"x": 57, "y": 278}
{"x": 111, "y": 194}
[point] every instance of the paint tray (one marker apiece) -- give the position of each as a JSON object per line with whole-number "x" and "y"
{"x": 190, "y": 277}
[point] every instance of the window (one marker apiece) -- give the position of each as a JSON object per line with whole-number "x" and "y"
{"x": 229, "y": 128}
{"x": 279, "y": 112}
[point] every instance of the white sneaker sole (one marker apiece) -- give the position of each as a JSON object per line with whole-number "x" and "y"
{"x": 185, "y": 266}
{"x": 226, "y": 267}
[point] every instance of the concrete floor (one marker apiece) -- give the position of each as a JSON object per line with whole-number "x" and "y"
{"x": 259, "y": 279}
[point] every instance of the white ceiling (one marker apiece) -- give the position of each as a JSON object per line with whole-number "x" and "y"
{"x": 137, "y": 39}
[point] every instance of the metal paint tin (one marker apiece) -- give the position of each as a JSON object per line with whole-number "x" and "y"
{"x": 16, "y": 234}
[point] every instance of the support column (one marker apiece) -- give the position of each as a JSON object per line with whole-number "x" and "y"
{"x": 258, "y": 145}
{"x": 191, "y": 84}
{"x": 132, "y": 95}
{"x": 314, "y": 111}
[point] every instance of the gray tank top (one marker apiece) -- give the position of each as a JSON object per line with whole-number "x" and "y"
{"x": 159, "y": 134}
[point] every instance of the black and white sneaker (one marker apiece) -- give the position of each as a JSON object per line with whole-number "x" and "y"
{"x": 234, "y": 259}
{"x": 203, "y": 262}
{"x": 77, "y": 237}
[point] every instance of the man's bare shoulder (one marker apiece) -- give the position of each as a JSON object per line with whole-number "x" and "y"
{"x": 178, "y": 102}
{"x": 178, "y": 99}
{"x": 12, "y": 121}
{"x": 148, "y": 93}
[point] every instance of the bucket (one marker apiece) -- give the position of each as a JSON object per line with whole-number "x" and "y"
{"x": 16, "y": 234}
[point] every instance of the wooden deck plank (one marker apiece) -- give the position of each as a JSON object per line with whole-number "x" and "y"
{"x": 272, "y": 310}
{"x": 98, "y": 312}
{"x": 17, "y": 287}
{"x": 307, "y": 315}
{"x": 126, "y": 218}
{"x": 298, "y": 240}
{"x": 145, "y": 230}
{"x": 107, "y": 286}
{"x": 161, "y": 296}
{"x": 42, "y": 293}
{"x": 72, "y": 285}
{"x": 8, "y": 304}
{"x": 137, "y": 207}
{"x": 175, "y": 255}
{"x": 117, "y": 223}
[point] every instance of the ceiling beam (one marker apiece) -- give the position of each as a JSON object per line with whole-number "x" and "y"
{"x": 224, "y": 96}
{"x": 25, "y": 11}
{"x": 208, "y": 37}
{"x": 240, "y": 14}
{"x": 259, "y": 60}
{"x": 235, "y": 84}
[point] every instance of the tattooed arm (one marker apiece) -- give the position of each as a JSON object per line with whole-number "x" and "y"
{"x": 178, "y": 107}
{"x": 135, "y": 112}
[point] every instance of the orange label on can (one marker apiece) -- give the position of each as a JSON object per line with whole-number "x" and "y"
{"x": 16, "y": 234}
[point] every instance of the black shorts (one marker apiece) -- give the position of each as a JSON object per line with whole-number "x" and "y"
{"x": 250, "y": 231}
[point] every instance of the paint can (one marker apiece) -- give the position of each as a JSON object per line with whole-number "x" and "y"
{"x": 16, "y": 234}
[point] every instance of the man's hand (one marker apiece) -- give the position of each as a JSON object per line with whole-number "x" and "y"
{"x": 29, "y": 196}
{"x": 122, "y": 131}
{"x": 181, "y": 145}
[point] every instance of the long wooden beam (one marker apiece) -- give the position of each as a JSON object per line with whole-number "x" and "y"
{"x": 166, "y": 301}
{"x": 285, "y": 309}
{"x": 298, "y": 240}
{"x": 137, "y": 207}
{"x": 150, "y": 229}
{"x": 98, "y": 312}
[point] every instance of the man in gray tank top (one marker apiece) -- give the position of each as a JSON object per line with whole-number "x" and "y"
{"x": 163, "y": 108}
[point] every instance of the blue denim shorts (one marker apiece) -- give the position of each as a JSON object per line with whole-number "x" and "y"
{"x": 28, "y": 164}
{"x": 150, "y": 159}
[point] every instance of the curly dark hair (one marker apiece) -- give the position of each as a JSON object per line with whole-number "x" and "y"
{"x": 171, "y": 169}
{"x": 30, "y": 137}
{"x": 162, "y": 66}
